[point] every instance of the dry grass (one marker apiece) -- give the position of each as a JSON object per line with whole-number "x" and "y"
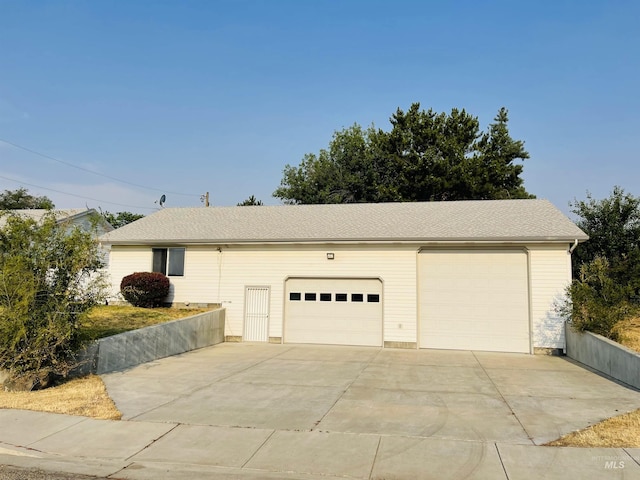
{"x": 104, "y": 321}
{"x": 85, "y": 396}
{"x": 620, "y": 431}
{"x": 629, "y": 333}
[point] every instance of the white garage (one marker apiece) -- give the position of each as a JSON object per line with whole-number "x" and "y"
{"x": 335, "y": 311}
{"x": 478, "y": 275}
{"x": 474, "y": 300}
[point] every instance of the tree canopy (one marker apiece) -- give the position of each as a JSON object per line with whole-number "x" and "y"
{"x": 21, "y": 199}
{"x": 120, "y": 219}
{"x": 251, "y": 201}
{"x": 607, "y": 288}
{"x": 425, "y": 156}
{"x": 613, "y": 226}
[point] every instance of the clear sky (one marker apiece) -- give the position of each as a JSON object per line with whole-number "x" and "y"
{"x": 186, "y": 97}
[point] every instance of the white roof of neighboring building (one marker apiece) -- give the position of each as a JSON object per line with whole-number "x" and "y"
{"x": 482, "y": 220}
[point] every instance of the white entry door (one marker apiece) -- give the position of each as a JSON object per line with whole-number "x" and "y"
{"x": 256, "y": 314}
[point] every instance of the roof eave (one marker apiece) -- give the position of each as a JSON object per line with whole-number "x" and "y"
{"x": 291, "y": 241}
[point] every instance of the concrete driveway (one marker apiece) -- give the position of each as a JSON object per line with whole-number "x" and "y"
{"x": 288, "y": 411}
{"x": 461, "y": 395}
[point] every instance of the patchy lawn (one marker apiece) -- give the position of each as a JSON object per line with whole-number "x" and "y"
{"x": 86, "y": 396}
{"x": 629, "y": 331}
{"x": 107, "y": 320}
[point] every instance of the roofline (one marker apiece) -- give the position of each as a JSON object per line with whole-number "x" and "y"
{"x": 422, "y": 241}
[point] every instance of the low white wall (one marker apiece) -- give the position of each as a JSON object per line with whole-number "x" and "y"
{"x": 604, "y": 355}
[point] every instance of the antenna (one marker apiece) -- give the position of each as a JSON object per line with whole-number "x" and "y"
{"x": 163, "y": 199}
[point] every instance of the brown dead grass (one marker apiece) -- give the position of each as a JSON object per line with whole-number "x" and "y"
{"x": 86, "y": 396}
{"x": 629, "y": 333}
{"x": 620, "y": 431}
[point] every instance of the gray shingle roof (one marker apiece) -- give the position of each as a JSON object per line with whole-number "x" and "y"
{"x": 486, "y": 220}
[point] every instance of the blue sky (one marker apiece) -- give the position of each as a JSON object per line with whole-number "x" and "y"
{"x": 186, "y": 97}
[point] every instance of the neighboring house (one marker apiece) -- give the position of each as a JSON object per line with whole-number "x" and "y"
{"x": 480, "y": 275}
{"x": 84, "y": 218}
{"x": 88, "y": 219}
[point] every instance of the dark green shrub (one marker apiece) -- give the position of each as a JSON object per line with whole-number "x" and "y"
{"x": 596, "y": 302}
{"x": 145, "y": 289}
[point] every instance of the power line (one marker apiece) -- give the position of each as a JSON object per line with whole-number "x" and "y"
{"x": 94, "y": 172}
{"x": 74, "y": 195}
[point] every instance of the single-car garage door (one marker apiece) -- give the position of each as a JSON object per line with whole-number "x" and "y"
{"x": 474, "y": 300}
{"x": 333, "y": 311}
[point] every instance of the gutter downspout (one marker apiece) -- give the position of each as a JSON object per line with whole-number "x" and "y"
{"x": 566, "y": 322}
{"x": 573, "y": 247}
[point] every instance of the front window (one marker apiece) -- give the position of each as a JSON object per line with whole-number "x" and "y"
{"x": 169, "y": 261}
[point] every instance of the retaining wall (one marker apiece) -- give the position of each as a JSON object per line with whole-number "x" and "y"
{"x": 132, "y": 348}
{"x": 604, "y": 355}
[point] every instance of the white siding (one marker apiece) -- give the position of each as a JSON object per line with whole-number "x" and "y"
{"x": 124, "y": 261}
{"x": 550, "y": 274}
{"x": 220, "y": 275}
{"x": 395, "y": 266}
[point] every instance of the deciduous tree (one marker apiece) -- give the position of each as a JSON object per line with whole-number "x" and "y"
{"x": 21, "y": 199}
{"x": 120, "y": 219}
{"x": 48, "y": 281}
{"x": 425, "y": 156}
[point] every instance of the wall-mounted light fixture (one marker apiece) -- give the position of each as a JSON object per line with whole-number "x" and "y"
{"x": 330, "y": 256}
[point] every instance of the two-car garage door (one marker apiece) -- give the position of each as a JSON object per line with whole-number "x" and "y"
{"x": 474, "y": 300}
{"x": 334, "y": 311}
{"x": 468, "y": 299}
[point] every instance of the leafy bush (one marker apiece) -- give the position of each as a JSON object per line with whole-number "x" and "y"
{"x": 596, "y": 301}
{"x": 49, "y": 279}
{"x": 145, "y": 289}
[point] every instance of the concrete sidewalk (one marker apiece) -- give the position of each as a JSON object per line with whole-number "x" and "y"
{"x": 145, "y": 451}
{"x": 280, "y": 411}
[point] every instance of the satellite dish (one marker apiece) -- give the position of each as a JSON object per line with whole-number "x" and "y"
{"x": 163, "y": 199}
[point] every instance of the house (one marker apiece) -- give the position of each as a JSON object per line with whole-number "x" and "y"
{"x": 87, "y": 219}
{"x": 481, "y": 275}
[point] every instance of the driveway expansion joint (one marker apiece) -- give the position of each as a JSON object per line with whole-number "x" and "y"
{"x": 504, "y": 400}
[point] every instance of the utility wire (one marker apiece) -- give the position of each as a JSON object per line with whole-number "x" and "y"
{"x": 74, "y": 195}
{"x": 94, "y": 172}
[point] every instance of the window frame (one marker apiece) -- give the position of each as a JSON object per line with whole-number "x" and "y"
{"x": 161, "y": 261}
